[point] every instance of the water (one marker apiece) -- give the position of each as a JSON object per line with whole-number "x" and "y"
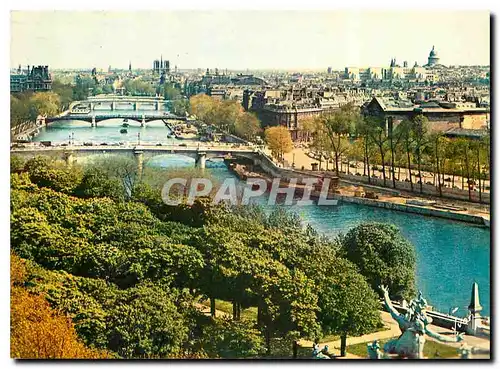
{"x": 450, "y": 255}
{"x": 106, "y": 131}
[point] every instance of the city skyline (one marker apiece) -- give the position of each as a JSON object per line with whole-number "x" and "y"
{"x": 239, "y": 40}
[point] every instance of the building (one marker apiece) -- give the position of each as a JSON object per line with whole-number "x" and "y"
{"x": 35, "y": 79}
{"x": 161, "y": 66}
{"x": 442, "y": 115}
{"x": 433, "y": 58}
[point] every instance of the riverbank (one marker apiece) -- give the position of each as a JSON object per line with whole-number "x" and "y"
{"x": 382, "y": 197}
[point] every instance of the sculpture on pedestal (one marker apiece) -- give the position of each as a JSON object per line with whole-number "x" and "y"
{"x": 414, "y": 326}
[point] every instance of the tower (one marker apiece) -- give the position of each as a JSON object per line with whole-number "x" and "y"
{"x": 130, "y": 66}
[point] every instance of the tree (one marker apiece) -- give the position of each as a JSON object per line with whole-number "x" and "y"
{"x": 348, "y": 305}
{"x": 200, "y": 105}
{"x": 231, "y": 339}
{"x": 383, "y": 256}
{"x": 379, "y": 136}
{"x": 170, "y": 92}
{"x": 180, "y": 107}
{"x": 247, "y": 126}
{"x": 406, "y": 130}
{"x": 279, "y": 141}
{"x": 420, "y": 131}
{"x": 83, "y": 86}
{"x": 65, "y": 93}
{"x": 321, "y": 143}
{"x": 136, "y": 87}
{"x": 95, "y": 183}
{"x": 37, "y": 331}
{"x": 338, "y": 126}
{"x": 19, "y": 110}
{"x": 44, "y": 103}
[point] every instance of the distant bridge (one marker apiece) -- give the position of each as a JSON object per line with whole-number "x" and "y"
{"x": 113, "y": 101}
{"x": 96, "y": 117}
{"x": 142, "y": 153}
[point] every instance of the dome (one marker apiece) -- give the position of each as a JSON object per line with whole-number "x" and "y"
{"x": 433, "y": 53}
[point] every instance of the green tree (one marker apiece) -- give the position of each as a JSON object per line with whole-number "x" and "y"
{"x": 180, "y": 107}
{"x": 44, "y": 103}
{"x": 338, "y": 126}
{"x": 379, "y": 136}
{"x": 170, "y": 92}
{"x": 420, "y": 132}
{"x": 229, "y": 339}
{"x": 383, "y": 256}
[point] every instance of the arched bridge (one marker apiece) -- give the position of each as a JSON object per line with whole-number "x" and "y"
{"x": 114, "y": 101}
{"x": 95, "y": 117}
{"x": 142, "y": 153}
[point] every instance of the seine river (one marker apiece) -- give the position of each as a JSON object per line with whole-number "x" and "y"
{"x": 450, "y": 255}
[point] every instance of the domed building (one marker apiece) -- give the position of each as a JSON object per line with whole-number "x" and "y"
{"x": 433, "y": 58}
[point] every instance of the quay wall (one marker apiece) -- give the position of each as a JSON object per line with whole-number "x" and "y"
{"x": 469, "y": 218}
{"x": 271, "y": 169}
{"x": 452, "y": 193}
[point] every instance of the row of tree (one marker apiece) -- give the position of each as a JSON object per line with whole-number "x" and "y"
{"x": 226, "y": 115}
{"x": 129, "y": 269}
{"x": 345, "y": 135}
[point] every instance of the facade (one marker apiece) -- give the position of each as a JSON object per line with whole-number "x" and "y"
{"x": 442, "y": 116}
{"x": 291, "y": 117}
{"x": 35, "y": 79}
{"x": 161, "y": 66}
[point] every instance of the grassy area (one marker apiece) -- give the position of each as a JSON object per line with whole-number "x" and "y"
{"x": 432, "y": 349}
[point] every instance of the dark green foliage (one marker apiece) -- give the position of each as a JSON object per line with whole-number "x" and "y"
{"x": 95, "y": 183}
{"x": 383, "y": 256}
{"x": 129, "y": 269}
{"x": 226, "y": 338}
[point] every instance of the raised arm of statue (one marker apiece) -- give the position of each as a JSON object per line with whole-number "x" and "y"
{"x": 443, "y": 338}
{"x": 394, "y": 313}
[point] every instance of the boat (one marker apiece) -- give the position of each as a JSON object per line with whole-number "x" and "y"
{"x": 123, "y": 130}
{"x": 125, "y": 125}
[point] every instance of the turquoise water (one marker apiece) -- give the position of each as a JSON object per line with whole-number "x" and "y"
{"x": 450, "y": 255}
{"x": 106, "y": 131}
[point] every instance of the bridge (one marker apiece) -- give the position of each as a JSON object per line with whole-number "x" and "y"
{"x": 94, "y": 118}
{"x": 141, "y": 153}
{"x": 112, "y": 101}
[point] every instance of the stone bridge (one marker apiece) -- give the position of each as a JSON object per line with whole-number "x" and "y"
{"x": 141, "y": 153}
{"x": 94, "y": 118}
{"x": 113, "y": 101}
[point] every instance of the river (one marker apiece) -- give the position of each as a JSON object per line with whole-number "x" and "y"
{"x": 450, "y": 255}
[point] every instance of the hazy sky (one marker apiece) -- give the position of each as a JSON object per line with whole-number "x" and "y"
{"x": 248, "y": 39}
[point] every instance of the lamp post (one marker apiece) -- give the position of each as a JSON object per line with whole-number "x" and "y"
{"x": 138, "y": 138}
{"x": 293, "y": 160}
{"x": 72, "y": 138}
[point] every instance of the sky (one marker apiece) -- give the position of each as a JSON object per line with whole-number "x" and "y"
{"x": 285, "y": 40}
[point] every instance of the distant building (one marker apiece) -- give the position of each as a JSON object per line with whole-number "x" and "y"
{"x": 161, "y": 66}
{"x": 329, "y": 70}
{"x": 442, "y": 115}
{"x": 35, "y": 79}
{"x": 433, "y": 58}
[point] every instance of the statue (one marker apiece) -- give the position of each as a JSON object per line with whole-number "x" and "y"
{"x": 374, "y": 351}
{"x": 320, "y": 354}
{"x": 414, "y": 327}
